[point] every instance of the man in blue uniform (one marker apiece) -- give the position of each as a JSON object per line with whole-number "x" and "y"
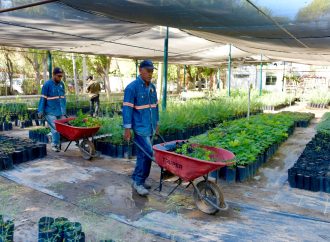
{"x": 140, "y": 114}
{"x": 52, "y": 104}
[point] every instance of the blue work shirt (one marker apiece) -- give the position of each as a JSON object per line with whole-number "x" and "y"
{"x": 140, "y": 108}
{"x": 52, "y": 100}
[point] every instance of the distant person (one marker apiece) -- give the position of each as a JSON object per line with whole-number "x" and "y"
{"x": 140, "y": 113}
{"x": 52, "y": 104}
{"x": 94, "y": 89}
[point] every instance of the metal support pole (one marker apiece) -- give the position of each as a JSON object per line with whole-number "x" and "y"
{"x": 218, "y": 79}
{"x": 284, "y": 79}
{"x": 136, "y": 68}
{"x": 165, "y": 71}
{"x": 160, "y": 80}
{"x": 229, "y": 71}
{"x": 85, "y": 71}
{"x": 75, "y": 75}
{"x": 50, "y": 64}
{"x": 249, "y": 99}
{"x": 184, "y": 76}
{"x": 260, "y": 88}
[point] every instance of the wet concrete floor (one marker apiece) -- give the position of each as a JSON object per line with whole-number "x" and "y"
{"x": 263, "y": 208}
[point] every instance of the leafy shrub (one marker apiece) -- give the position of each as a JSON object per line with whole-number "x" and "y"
{"x": 84, "y": 120}
{"x": 324, "y": 126}
{"x": 247, "y": 138}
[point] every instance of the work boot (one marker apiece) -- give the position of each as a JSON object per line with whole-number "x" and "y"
{"x": 140, "y": 189}
{"x": 147, "y": 185}
{"x": 55, "y": 148}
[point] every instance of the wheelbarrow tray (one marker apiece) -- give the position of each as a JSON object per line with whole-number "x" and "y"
{"x": 74, "y": 133}
{"x": 188, "y": 168}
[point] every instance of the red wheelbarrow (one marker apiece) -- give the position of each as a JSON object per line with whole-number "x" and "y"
{"x": 76, "y": 134}
{"x": 207, "y": 194}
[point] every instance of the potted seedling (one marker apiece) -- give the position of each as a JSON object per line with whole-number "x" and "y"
{"x": 47, "y": 230}
{"x": 72, "y": 230}
{"x": 6, "y": 230}
{"x": 60, "y": 223}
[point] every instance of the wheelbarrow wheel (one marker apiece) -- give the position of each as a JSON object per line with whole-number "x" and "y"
{"x": 209, "y": 197}
{"x": 87, "y": 149}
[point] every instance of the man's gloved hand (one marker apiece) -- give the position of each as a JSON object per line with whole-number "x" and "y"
{"x": 40, "y": 115}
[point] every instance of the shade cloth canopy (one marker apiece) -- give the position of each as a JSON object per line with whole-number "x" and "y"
{"x": 201, "y": 29}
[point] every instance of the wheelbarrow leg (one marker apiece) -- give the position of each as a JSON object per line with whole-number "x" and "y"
{"x": 67, "y": 146}
{"x": 159, "y": 188}
{"x": 179, "y": 183}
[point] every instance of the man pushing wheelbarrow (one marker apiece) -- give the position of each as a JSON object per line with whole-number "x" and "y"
{"x": 140, "y": 113}
{"x": 52, "y": 104}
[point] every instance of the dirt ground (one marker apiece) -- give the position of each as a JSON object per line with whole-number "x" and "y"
{"x": 99, "y": 195}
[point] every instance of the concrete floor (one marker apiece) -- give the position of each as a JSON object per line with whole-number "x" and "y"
{"x": 99, "y": 195}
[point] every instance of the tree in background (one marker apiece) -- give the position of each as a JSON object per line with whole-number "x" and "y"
{"x": 30, "y": 87}
{"x": 101, "y": 67}
{"x": 211, "y": 74}
{"x": 314, "y": 11}
{"x": 9, "y": 69}
{"x": 35, "y": 59}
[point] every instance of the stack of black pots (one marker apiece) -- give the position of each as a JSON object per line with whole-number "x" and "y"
{"x": 312, "y": 169}
{"x": 115, "y": 150}
{"x": 40, "y": 135}
{"x": 16, "y": 151}
{"x": 59, "y": 230}
{"x": 6, "y": 126}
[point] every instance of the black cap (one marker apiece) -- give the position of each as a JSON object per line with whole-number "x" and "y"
{"x": 57, "y": 70}
{"x": 147, "y": 64}
{"x": 90, "y": 78}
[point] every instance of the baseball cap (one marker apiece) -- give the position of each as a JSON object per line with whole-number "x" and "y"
{"x": 57, "y": 70}
{"x": 89, "y": 78}
{"x": 147, "y": 64}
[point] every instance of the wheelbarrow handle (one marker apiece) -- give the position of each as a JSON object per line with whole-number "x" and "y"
{"x": 50, "y": 124}
{"x": 144, "y": 151}
{"x": 161, "y": 137}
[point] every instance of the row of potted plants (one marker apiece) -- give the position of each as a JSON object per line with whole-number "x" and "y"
{"x": 269, "y": 100}
{"x": 6, "y": 126}
{"x": 106, "y": 147}
{"x": 181, "y": 121}
{"x": 16, "y": 151}
{"x": 312, "y": 169}
{"x": 49, "y": 230}
{"x": 193, "y": 113}
{"x": 40, "y": 135}
{"x": 13, "y": 108}
{"x": 23, "y": 121}
{"x": 276, "y": 101}
{"x": 253, "y": 141}
{"x": 318, "y": 99}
